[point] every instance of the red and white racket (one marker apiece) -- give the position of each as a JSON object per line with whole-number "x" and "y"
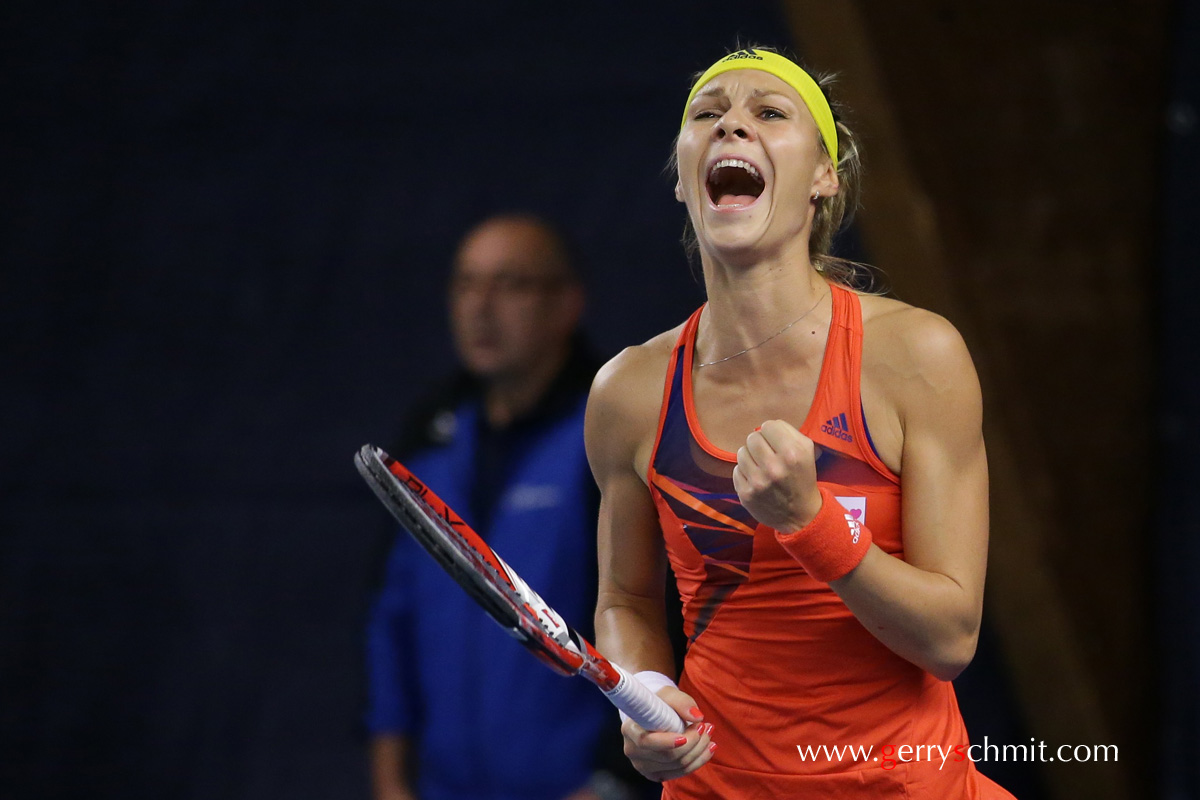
{"x": 501, "y": 592}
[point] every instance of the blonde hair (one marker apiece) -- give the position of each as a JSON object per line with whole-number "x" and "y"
{"x": 832, "y": 213}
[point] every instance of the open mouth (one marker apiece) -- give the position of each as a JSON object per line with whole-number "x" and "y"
{"x": 734, "y": 183}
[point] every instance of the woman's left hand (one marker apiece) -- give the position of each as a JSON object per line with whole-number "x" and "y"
{"x": 776, "y": 477}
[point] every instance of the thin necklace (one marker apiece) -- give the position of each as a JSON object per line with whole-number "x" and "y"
{"x": 769, "y": 338}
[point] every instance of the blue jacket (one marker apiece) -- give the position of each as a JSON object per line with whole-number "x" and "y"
{"x": 489, "y": 720}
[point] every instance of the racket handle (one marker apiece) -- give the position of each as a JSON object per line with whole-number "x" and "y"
{"x": 643, "y": 706}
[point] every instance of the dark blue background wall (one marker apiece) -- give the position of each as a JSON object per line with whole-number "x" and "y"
{"x": 226, "y": 234}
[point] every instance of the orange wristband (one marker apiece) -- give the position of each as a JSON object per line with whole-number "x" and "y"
{"x": 831, "y": 545}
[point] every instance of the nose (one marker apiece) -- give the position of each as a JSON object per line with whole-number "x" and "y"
{"x": 474, "y": 297}
{"x": 733, "y": 123}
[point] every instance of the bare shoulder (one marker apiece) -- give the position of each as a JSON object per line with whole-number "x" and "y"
{"x": 912, "y": 335}
{"x": 917, "y": 353}
{"x": 623, "y": 406}
{"x": 636, "y": 364}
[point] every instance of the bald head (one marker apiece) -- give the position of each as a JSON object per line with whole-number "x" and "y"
{"x": 534, "y": 242}
{"x": 515, "y": 300}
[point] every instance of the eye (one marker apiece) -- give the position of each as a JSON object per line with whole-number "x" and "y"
{"x": 706, "y": 114}
{"x": 509, "y": 283}
{"x": 772, "y": 113}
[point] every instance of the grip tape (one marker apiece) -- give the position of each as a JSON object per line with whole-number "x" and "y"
{"x": 643, "y": 706}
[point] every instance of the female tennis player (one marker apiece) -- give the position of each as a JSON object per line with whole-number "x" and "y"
{"x": 810, "y": 459}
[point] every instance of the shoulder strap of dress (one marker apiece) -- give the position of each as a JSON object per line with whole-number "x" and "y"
{"x": 836, "y": 419}
{"x": 687, "y": 336}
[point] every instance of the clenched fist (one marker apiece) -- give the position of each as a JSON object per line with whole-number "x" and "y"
{"x": 776, "y": 477}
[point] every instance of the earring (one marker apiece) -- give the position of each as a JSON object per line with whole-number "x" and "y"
{"x": 816, "y": 195}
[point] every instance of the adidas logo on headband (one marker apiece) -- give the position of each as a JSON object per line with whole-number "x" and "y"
{"x": 740, "y": 54}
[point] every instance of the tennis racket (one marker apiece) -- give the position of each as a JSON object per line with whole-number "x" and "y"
{"x": 501, "y": 592}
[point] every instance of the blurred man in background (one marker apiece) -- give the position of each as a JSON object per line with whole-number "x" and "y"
{"x": 457, "y": 709}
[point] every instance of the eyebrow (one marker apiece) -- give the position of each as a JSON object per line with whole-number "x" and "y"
{"x": 713, "y": 91}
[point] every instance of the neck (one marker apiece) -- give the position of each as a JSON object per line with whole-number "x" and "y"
{"x": 747, "y": 303}
{"x": 507, "y": 397}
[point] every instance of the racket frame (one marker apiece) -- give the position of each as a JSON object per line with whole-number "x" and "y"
{"x": 501, "y": 592}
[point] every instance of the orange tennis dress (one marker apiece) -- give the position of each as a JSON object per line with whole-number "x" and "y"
{"x": 775, "y": 660}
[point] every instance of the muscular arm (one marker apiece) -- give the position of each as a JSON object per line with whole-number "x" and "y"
{"x": 619, "y": 427}
{"x": 631, "y": 623}
{"x": 927, "y": 607}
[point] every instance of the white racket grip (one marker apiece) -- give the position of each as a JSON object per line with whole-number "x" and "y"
{"x": 643, "y": 706}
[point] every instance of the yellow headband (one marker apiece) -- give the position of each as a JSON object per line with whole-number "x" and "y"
{"x": 787, "y": 71}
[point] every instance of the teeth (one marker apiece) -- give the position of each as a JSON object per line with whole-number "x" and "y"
{"x": 735, "y": 162}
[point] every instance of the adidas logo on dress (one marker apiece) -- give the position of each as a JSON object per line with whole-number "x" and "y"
{"x": 838, "y": 427}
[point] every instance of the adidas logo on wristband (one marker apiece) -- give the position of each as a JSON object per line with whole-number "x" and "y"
{"x": 855, "y": 528}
